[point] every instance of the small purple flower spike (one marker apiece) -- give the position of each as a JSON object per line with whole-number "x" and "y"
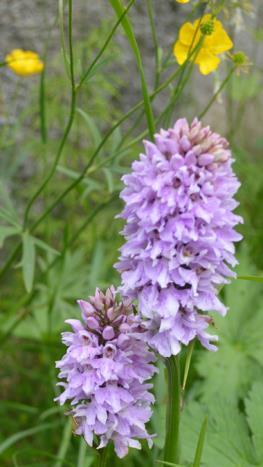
{"x": 106, "y": 367}
{"x": 179, "y": 234}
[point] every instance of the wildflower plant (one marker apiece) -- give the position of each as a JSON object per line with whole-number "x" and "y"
{"x": 128, "y": 358}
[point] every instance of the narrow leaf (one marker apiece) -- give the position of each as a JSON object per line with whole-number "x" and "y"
{"x": 45, "y": 246}
{"x": 169, "y": 463}
{"x": 188, "y": 362}
{"x": 200, "y": 444}
{"x": 6, "y": 231}
{"x": 95, "y": 132}
{"x": 24, "y": 434}
{"x": 28, "y": 260}
{"x": 251, "y": 278}
{"x": 65, "y": 442}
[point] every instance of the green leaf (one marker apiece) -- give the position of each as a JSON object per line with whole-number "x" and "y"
{"x": 109, "y": 178}
{"x": 5, "y": 232}
{"x": 95, "y": 132}
{"x": 251, "y": 278}
{"x": 228, "y": 442}
{"x": 45, "y": 246}
{"x": 24, "y": 434}
{"x": 6, "y": 200}
{"x": 8, "y": 217}
{"x": 239, "y": 359}
{"x": 28, "y": 260}
{"x": 65, "y": 442}
{"x": 170, "y": 463}
{"x": 254, "y": 410}
{"x": 200, "y": 444}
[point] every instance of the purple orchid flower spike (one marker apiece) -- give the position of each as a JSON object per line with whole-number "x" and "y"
{"x": 179, "y": 234}
{"x": 105, "y": 372}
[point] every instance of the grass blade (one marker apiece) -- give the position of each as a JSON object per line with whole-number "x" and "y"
{"x": 67, "y": 433}
{"x": 24, "y": 434}
{"x": 200, "y": 444}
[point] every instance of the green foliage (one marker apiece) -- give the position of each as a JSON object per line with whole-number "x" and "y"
{"x": 239, "y": 360}
{"x": 234, "y": 437}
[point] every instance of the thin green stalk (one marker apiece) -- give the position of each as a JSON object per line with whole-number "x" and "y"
{"x": 136, "y": 107}
{"x": 188, "y": 67}
{"x": 155, "y": 42}
{"x": 117, "y": 6}
{"x": 42, "y": 108}
{"x": 69, "y": 123}
{"x": 171, "y": 448}
{"x": 210, "y": 103}
{"x": 103, "y": 48}
{"x": 102, "y": 458}
{"x": 62, "y": 35}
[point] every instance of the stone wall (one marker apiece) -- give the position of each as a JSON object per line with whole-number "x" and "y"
{"x": 27, "y": 23}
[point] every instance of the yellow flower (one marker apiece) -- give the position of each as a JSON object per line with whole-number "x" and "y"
{"x": 215, "y": 42}
{"x": 24, "y": 62}
{"x": 183, "y": 1}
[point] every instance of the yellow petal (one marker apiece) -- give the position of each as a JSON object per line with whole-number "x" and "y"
{"x": 183, "y": 1}
{"x": 180, "y": 52}
{"x": 24, "y": 62}
{"x": 186, "y": 33}
{"x": 219, "y": 41}
{"x": 207, "y": 61}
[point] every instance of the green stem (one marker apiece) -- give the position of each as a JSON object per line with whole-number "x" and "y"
{"x": 102, "y": 458}
{"x": 171, "y": 448}
{"x": 96, "y": 59}
{"x": 68, "y": 126}
{"x": 155, "y": 42}
{"x": 42, "y": 217}
{"x": 42, "y": 108}
{"x": 212, "y": 100}
{"x": 127, "y": 27}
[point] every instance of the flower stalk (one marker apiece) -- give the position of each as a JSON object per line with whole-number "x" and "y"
{"x": 172, "y": 444}
{"x": 102, "y": 458}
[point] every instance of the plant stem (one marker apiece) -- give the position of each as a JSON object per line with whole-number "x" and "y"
{"x": 102, "y": 458}
{"x": 171, "y": 448}
{"x": 128, "y": 29}
{"x": 68, "y": 126}
{"x": 42, "y": 217}
{"x": 212, "y": 100}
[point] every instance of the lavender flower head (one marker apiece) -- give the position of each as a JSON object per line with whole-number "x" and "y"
{"x": 179, "y": 233}
{"x": 105, "y": 368}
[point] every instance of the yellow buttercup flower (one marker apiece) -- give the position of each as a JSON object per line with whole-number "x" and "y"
{"x": 215, "y": 42}
{"x": 24, "y": 62}
{"x": 183, "y": 1}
